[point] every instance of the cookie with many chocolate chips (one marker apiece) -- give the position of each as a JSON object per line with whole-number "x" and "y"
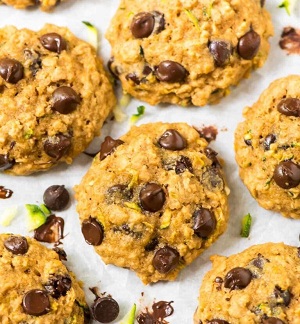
{"x": 187, "y": 52}
{"x": 45, "y": 5}
{"x": 56, "y": 97}
{"x": 159, "y": 192}
{"x": 35, "y": 285}
{"x": 267, "y": 146}
{"x": 259, "y": 285}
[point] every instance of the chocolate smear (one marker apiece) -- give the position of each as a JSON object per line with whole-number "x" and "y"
{"x": 52, "y": 231}
{"x": 5, "y": 193}
{"x": 160, "y": 310}
{"x": 290, "y": 40}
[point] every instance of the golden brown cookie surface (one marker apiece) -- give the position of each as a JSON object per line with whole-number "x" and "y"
{"x": 45, "y": 5}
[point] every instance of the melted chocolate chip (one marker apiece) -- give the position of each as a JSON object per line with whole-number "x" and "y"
{"x": 52, "y": 231}
{"x": 220, "y": 51}
{"x": 152, "y": 245}
{"x": 248, "y": 142}
{"x": 212, "y": 155}
{"x": 290, "y": 40}
{"x": 56, "y": 197}
{"x": 105, "y": 309}
{"x": 217, "y": 321}
{"x": 152, "y": 197}
{"x": 5, "y": 162}
{"x": 12, "y": 71}
{"x": 142, "y": 25}
{"x": 237, "y": 278}
{"x": 65, "y": 100}
{"x": 289, "y": 107}
{"x": 248, "y": 45}
{"x": 287, "y": 174}
{"x": 57, "y": 146}
{"x": 58, "y": 285}
{"x": 270, "y": 139}
{"x": 183, "y": 164}
{"x": 61, "y": 253}
{"x": 53, "y": 42}
{"x": 109, "y": 146}
{"x": 147, "y": 70}
{"x": 282, "y": 296}
{"x": 172, "y": 140}
{"x": 273, "y": 320}
{"x": 162, "y": 309}
{"x": 92, "y": 231}
{"x": 114, "y": 72}
{"x": 208, "y": 132}
{"x": 259, "y": 262}
{"x": 204, "y": 222}
{"x": 170, "y": 71}
{"x": 165, "y": 259}
{"x": 36, "y": 302}
{"x": 133, "y": 77}
{"x": 17, "y": 245}
{"x": 5, "y": 193}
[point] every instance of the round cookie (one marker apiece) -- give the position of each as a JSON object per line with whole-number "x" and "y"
{"x": 259, "y": 285}
{"x": 45, "y": 5}
{"x": 35, "y": 286}
{"x": 56, "y": 97}
{"x": 160, "y": 192}
{"x": 267, "y": 146}
{"x": 187, "y": 52}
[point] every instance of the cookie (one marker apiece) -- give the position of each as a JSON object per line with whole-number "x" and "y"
{"x": 187, "y": 52}
{"x": 56, "y": 97}
{"x": 267, "y": 146}
{"x": 45, "y": 5}
{"x": 35, "y": 285}
{"x": 259, "y": 285}
{"x": 160, "y": 191}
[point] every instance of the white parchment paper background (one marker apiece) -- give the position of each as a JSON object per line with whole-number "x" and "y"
{"x": 123, "y": 284}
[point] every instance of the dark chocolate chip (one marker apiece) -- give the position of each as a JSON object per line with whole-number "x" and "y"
{"x": 204, "y": 222}
{"x": 183, "y": 164}
{"x": 108, "y": 146}
{"x": 56, "y": 197}
{"x": 16, "y": 244}
{"x": 170, "y": 71}
{"x": 270, "y": 139}
{"x": 248, "y": 45}
{"x": 219, "y": 280}
{"x": 287, "y": 174}
{"x": 142, "y": 25}
{"x": 36, "y": 302}
{"x": 147, "y": 70}
{"x": 57, "y": 146}
{"x": 114, "y": 72}
{"x": 165, "y": 259}
{"x": 61, "y": 253}
{"x": 217, "y": 321}
{"x": 159, "y": 22}
{"x": 262, "y": 2}
{"x": 259, "y": 262}
{"x": 282, "y": 296}
{"x": 289, "y": 107}
{"x": 220, "y": 51}
{"x": 51, "y": 231}
{"x": 172, "y": 140}
{"x": 58, "y": 285}
{"x": 248, "y": 142}
{"x": 11, "y": 70}
{"x": 65, "y": 100}
{"x": 162, "y": 309}
{"x": 298, "y": 252}
{"x": 53, "y": 42}
{"x": 92, "y": 231}
{"x": 133, "y": 77}
{"x": 152, "y": 245}
{"x": 152, "y": 197}
{"x": 212, "y": 155}
{"x": 237, "y": 278}
{"x": 273, "y": 320}
{"x": 5, "y": 162}
{"x": 105, "y": 309}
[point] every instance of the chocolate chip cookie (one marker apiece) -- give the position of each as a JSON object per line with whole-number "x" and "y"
{"x": 187, "y": 52}
{"x": 160, "y": 191}
{"x": 259, "y": 285}
{"x": 267, "y": 146}
{"x": 35, "y": 286}
{"x": 45, "y": 5}
{"x": 56, "y": 97}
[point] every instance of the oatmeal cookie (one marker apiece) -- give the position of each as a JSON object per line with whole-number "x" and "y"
{"x": 45, "y": 5}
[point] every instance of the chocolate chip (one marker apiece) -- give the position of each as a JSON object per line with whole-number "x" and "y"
{"x": 36, "y": 302}
{"x": 162, "y": 309}
{"x": 172, "y": 140}
{"x": 270, "y": 139}
{"x": 57, "y": 146}
{"x": 142, "y": 25}
{"x": 219, "y": 280}
{"x": 105, "y": 309}
{"x": 152, "y": 197}
{"x": 183, "y": 164}
{"x": 159, "y": 22}
{"x": 51, "y": 231}
{"x": 147, "y": 70}
{"x": 217, "y": 321}
{"x": 282, "y": 296}
{"x": 53, "y": 42}
{"x": 61, "y": 253}
{"x": 262, "y": 3}
{"x": 259, "y": 262}
{"x": 248, "y": 45}
{"x": 108, "y": 146}
{"x": 5, "y": 162}
{"x": 92, "y": 231}
{"x": 204, "y": 222}
{"x": 152, "y": 245}
{"x": 237, "y": 278}
{"x": 58, "y": 285}
{"x": 56, "y": 197}
{"x": 114, "y": 72}
{"x": 11, "y": 70}
{"x": 212, "y": 179}
{"x": 212, "y": 155}
{"x": 65, "y": 100}
{"x": 16, "y": 244}
{"x": 273, "y": 320}
{"x": 298, "y": 252}
{"x": 289, "y": 107}
{"x": 287, "y": 174}
{"x": 248, "y": 142}
{"x": 170, "y": 71}
{"x": 165, "y": 259}
{"x": 220, "y": 51}
{"x": 133, "y": 77}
